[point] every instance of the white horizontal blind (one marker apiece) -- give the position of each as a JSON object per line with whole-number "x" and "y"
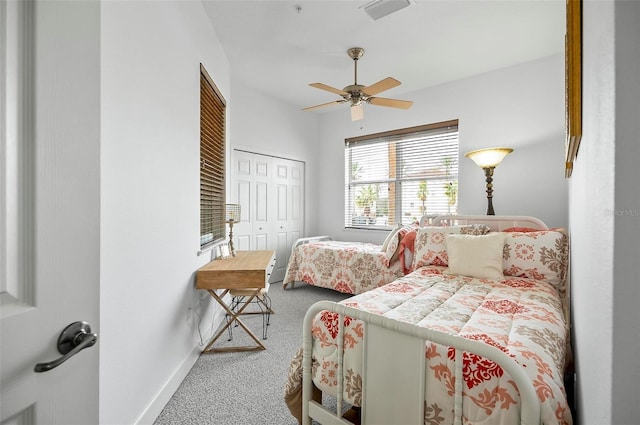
{"x": 398, "y": 176}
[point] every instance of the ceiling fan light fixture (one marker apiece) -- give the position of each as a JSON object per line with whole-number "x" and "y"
{"x": 377, "y": 9}
{"x": 357, "y": 112}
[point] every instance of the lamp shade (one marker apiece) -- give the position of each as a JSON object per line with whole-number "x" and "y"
{"x": 489, "y": 157}
{"x": 232, "y": 213}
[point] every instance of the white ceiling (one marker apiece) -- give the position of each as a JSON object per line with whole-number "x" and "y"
{"x": 277, "y": 50}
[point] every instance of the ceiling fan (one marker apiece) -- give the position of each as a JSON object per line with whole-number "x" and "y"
{"x": 356, "y": 94}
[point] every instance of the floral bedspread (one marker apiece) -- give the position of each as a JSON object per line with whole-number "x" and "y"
{"x": 521, "y": 316}
{"x": 349, "y": 267}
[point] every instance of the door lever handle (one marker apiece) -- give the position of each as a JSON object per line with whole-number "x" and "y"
{"x": 73, "y": 339}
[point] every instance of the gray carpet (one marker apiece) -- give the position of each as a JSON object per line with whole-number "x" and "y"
{"x": 247, "y": 388}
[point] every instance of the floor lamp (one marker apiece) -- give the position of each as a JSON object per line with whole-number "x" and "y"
{"x": 231, "y": 217}
{"x": 488, "y": 159}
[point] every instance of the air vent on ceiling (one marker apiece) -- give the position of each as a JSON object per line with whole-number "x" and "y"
{"x": 380, "y": 8}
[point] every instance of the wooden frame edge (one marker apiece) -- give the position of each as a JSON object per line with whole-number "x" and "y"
{"x": 573, "y": 83}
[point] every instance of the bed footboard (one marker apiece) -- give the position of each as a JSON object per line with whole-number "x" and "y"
{"x": 302, "y": 241}
{"x": 384, "y": 339}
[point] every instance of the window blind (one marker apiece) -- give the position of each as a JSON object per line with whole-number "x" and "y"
{"x": 212, "y": 161}
{"x": 398, "y": 176}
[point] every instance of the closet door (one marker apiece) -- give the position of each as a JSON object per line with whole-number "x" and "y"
{"x": 260, "y": 210}
{"x": 288, "y": 184}
{"x": 252, "y": 191}
{"x": 270, "y": 191}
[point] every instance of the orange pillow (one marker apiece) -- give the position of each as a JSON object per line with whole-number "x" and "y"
{"x": 407, "y": 243}
{"x": 521, "y": 229}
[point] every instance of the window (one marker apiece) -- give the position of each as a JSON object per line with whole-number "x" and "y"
{"x": 400, "y": 175}
{"x": 212, "y": 161}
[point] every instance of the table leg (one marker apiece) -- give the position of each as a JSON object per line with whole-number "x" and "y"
{"x": 234, "y": 318}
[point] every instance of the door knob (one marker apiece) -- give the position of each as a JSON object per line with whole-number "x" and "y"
{"x": 73, "y": 339}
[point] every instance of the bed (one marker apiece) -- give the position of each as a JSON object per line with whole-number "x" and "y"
{"x": 349, "y": 267}
{"x": 452, "y": 341}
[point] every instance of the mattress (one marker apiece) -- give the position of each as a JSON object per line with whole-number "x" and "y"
{"x": 349, "y": 267}
{"x": 523, "y": 317}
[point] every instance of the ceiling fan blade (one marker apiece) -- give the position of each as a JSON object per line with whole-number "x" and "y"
{"x": 392, "y": 103}
{"x": 329, "y": 88}
{"x": 380, "y": 86}
{"x": 309, "y": 108}
{"x": 357, "y": 112}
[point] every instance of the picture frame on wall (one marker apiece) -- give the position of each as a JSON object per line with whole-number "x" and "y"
{"x": 573, "y": 83}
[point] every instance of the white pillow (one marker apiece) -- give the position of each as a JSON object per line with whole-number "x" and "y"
{"x": 476, "y": 256}
{"x": 393, "y": 233}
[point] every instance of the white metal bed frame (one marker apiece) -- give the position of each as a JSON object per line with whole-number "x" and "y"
{"x": 384, "y": 337}
{"x": 497, "y": 223}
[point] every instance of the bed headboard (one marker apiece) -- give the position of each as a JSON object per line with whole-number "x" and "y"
{"x": 495, "y": 222}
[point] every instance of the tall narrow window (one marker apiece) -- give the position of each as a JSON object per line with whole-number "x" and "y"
{"x": 400, "y": 175}
{"x": 212, "y": 161}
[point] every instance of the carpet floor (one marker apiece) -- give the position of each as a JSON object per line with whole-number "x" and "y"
{"x": 247, "y": 388}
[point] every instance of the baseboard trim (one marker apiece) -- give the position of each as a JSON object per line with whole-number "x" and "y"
{"x": 153, "y": 409}
{"x": 162, "y": 397}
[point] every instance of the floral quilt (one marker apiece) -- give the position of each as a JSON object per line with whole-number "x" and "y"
{"x": 349, "y": 267}
{"x": 521, "y": 316}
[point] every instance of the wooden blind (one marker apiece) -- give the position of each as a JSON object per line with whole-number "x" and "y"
{"x": 212, "y": 161}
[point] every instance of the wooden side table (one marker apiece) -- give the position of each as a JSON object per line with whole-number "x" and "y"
{"x": 248, "y": 270}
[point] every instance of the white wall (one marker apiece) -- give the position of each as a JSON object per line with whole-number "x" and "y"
{"x": 521, "y": 107}
{"x": 150, "y": 88}
{"x": 591, "y": 221}
{"x": 626, "y": 297}
{"x": 605, "y": 218}
{"x": 269, "y": 126}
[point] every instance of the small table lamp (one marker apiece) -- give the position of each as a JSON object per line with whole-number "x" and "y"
{"x": 488, "y": 159}
{"x": 231, "y": 216}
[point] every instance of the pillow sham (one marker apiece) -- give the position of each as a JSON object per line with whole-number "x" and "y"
{"x": 475, "y": 229}
{"x": 521, "y": 229}
{"x": 406, "y": 249}
{"x": 541, "y": 255}
{"x": 393, "y": 248}
{"x": 478, "y": 256}
{"x": 429, "y": 246}
{"x": 390, "y": 236}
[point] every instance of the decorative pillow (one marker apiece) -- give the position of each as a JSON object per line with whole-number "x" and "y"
{"x": 541, "y": 255}
{"x": 393, "y": 248}
{"x": 390, "y": 236}
{"x": 521, "y": 229}
{"x": 406, "y": 250}
{"x": 476, "y": 256}
{"x": 430, "y": 248}
{"x": 475, "y": 229}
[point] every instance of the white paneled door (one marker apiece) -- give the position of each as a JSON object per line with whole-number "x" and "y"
{"x": 270, "y": 191}
{"x": 49, "y": 211}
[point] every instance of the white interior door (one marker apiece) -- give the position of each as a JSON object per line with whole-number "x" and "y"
{"x": 251, "y": 190}
{"x": 289, "y": 221}
{"x": 270, "y": 191}
{"x": 260, "y": 207}
{"x": 49, "y": 207}
{"x": 241, "y": 193}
